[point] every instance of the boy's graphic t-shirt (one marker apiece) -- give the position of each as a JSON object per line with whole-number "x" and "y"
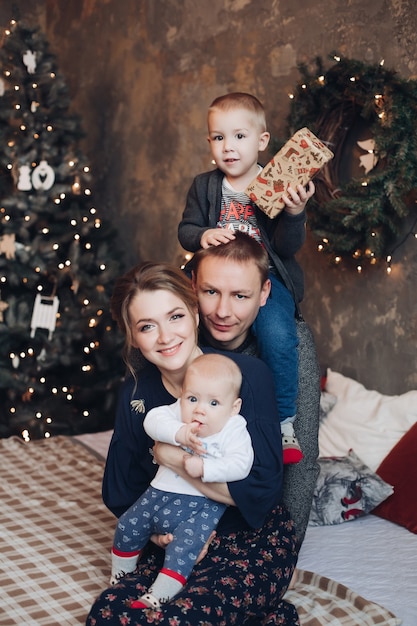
{"x": 238, "y": 212}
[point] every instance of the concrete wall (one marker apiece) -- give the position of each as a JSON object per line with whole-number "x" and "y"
{"x": 141, "y": 74}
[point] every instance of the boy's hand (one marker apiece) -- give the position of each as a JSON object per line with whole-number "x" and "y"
{"x": 215, "y": 236}
{"x": 193, "y": 465}
{"x": 295, "y": 201}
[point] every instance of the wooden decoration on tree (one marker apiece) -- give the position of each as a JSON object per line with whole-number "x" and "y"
{"x": 44, "y": 314}
{"x": 8, "y": 245}
{"x": 43, "y": 176}
{"x": 3, "y": 307}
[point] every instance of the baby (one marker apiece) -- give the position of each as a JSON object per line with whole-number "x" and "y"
{"x": 205, "y": 421}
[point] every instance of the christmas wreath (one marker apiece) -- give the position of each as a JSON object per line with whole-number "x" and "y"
{"x": 367, "y": 115}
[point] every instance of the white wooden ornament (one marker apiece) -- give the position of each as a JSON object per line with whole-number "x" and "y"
{"x": 29, "y": 59}
{"x": 43, "y": 176}
{"x": 370, "y": 159}
{"x": 24, "y": 183}
{"x": 44, "y": 314}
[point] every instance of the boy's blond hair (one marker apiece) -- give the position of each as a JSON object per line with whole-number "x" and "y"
{"x": 240, "y": 100}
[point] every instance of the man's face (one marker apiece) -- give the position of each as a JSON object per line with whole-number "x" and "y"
{"x": 229, "y": 297}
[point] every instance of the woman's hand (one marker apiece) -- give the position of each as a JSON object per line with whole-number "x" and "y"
{"x": 162, "y": 540}
{"x": 205, "y": 547}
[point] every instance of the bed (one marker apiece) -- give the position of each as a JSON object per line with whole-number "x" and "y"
{"x": 56, "y": 537}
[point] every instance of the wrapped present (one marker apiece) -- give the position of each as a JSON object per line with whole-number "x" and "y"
{"x": 296, "y": 163}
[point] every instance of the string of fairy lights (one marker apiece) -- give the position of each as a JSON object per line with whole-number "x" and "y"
{"x": 382, "y": 105}
{"x": 75, "y": 172}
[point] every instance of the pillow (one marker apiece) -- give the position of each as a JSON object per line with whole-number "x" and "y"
{"x": 327, "y": 402}
{"x": 364, "y": 420}
{"x": 399, "y": 468}
{"x": 345, "y": 490}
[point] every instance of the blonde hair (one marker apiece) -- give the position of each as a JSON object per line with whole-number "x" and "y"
{"x": 240, "y": 100}
{"x": 214, "y": 365}
{"x": 148, "y": 276}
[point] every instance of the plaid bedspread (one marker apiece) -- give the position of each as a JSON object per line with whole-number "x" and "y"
{"x": 55, "y": 532}
{"x": 56, "y": 536}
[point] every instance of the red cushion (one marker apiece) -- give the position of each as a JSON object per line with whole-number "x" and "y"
{"x": 399, "y": 469}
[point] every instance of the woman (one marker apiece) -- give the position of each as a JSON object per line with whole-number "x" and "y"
{"x": 250, "y": 561}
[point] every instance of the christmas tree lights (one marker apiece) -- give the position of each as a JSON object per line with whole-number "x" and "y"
{"x": 60, "y": 363}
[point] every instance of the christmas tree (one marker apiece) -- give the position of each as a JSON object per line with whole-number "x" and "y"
{"x": 60, "y": 363}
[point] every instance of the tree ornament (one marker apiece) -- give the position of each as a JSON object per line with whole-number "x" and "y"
{"x": 29, "y": 59}
{"x": 43, "y": 176}
{"x": 24, "y": 183}
{"x": 2, "y": 87}
{"x": 8, "y": 245}
{"x": 367, "y": 115}
{"x": 370, "y": 159}
{"x": 60, "y": 253}
{"x": 44, "y": 314}
{"x": 3, "y": 307}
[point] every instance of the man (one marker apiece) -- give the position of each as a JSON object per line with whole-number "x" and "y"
{"x": 231, "y": 282}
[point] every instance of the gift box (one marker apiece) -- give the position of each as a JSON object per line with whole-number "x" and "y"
{"x": 296, "y": 163}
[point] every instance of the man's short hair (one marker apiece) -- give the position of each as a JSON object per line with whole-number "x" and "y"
{"x": 242, "y": 249}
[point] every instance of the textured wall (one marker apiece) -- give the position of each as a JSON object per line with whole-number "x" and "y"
{"x": 141, "y": 74}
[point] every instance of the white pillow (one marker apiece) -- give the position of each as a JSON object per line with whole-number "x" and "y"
{"x": 364, "y": 420}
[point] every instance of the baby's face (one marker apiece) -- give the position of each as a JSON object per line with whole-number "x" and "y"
{"x": 208, "y": 402}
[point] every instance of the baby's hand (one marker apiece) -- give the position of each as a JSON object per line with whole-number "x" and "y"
{"x": 215, "y": 236}
{"x": 187, "y": 436}
{"x": 194, "y": 465}
{"x": 295, "y": 201}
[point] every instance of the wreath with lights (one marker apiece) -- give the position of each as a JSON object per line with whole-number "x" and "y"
{"x": 371, "y": 110}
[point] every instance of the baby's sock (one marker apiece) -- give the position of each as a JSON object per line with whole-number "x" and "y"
{"x": 167, "y": 584}
{"x": 122, "y": 563}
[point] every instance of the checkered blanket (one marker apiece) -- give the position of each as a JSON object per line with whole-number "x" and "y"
{"x": 56, "y": 533}
{"x": 56, "y": 536}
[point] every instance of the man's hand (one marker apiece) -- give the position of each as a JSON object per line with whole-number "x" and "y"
{"x": 215, "y": 236}
{"x": 296, "y": 201}
{"x": 194, "y": 465}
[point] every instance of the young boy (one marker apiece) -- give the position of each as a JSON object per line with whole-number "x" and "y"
{"x": 205, "y": 421}
{"x": 217, "y": 206}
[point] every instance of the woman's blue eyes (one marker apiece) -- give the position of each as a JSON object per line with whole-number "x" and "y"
{"x": 173, "y": 318}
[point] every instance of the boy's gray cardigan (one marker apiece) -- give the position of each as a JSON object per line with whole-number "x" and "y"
{"x": 286, "y": 232}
